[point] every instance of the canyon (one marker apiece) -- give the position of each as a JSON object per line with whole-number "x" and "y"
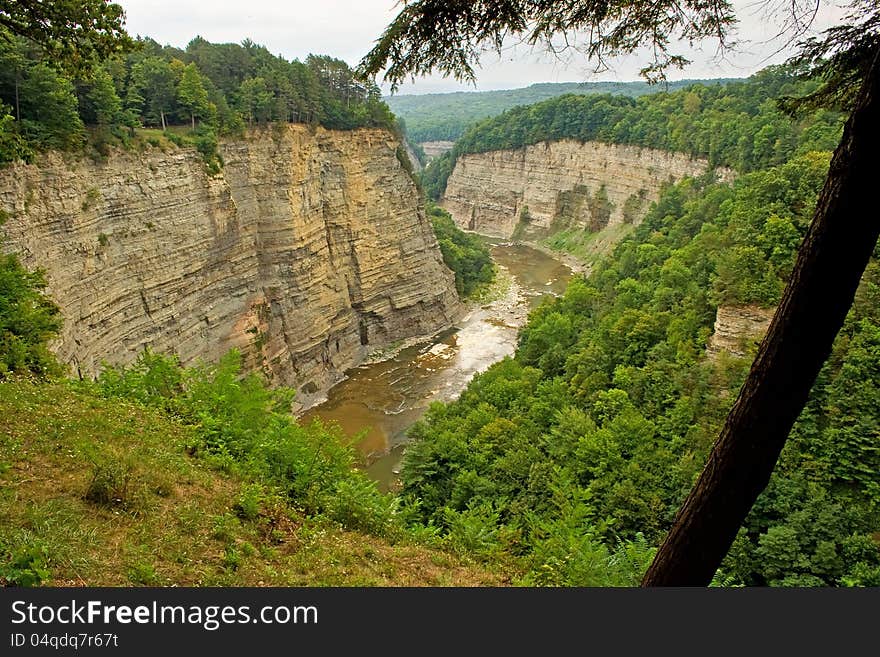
{"x": 307, "y": 251}
{"x": 534, "y": 190}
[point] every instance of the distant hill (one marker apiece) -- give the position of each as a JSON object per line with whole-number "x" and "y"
{"x": 435, "y": 117}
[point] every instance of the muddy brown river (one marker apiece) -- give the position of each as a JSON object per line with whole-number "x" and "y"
{"x": 378, "y": 401}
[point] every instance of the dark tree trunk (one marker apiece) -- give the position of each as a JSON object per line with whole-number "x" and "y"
{"x": 829, "y": 266}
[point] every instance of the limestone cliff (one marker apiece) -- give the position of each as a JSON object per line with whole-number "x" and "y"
{"x": 307, "y": 250}
{"x": 560, "y": 184}
{"x": 735, "y": 327}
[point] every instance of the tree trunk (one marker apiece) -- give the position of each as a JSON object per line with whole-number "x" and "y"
{"x": 194, "y": 121}
{"x": 162, "y": 115}
{"x": 829, "y": 266}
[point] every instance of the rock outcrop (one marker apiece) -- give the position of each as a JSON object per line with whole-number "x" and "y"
{"x": 308, "y": 249}
{"x": 736, "y": 327}
{"x": 435, "y": 149}
{"x": 560, "y": 184}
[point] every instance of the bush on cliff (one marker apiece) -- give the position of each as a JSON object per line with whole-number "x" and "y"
{"x": 28, "y": 320}
{"x": 466, "y": 255}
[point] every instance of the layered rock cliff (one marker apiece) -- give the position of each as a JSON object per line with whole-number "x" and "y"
{"x": 309, "y": 249}
{"x": 561, "y": 184}
{"x": 737, "y": 328}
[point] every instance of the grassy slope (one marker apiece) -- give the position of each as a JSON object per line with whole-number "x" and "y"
{"x": 587, "y": 247}
{"x": 177, "y": 522}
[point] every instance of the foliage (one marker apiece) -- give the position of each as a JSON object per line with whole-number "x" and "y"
{"x": 109, "y": 485}
{"x": 72, "y": 33}
{"x": 193, "y": 95}
{"x": 585, "y": 443}
{"x": 28, "y": 320}
{"x": 466, "y": 255}
{"x": 190, "y": 524}
{"x": 446, "y": 116}
{"x": 24, "y": 567}
{"x": 214, "y": 88}
{"x": 737, "y": 124}
{"x": 840, "y": 58}
{"x": 242, "y": 426}
{"x": 13, "y": 146}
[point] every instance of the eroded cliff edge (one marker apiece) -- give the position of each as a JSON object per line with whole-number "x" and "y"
{"x": 309, "y": 249}
{"x": 560, "y": 184}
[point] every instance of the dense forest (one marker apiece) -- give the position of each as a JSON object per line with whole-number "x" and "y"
{"x": 738, "y": 125}
{"x": 446, "y": 116}
{"x": 213, "y": 89}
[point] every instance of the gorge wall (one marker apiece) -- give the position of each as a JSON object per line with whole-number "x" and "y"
{"x": 561, "y": 184}
{"x": 307, "y": 250}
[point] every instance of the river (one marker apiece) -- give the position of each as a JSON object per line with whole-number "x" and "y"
{"x": 380, "y": 400}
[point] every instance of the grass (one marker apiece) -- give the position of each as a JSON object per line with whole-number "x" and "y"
{"x": 106, "y": 493}
{"x": 586, "y": 246}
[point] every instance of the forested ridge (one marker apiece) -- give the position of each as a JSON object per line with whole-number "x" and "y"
{"x": 446, "y": 116}
{"x": 213, "y": 89}
{"x": 738, "y": 124}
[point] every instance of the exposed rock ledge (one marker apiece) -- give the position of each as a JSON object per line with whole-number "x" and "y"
{"x": 735, "y": 327}
{"x": 561, "y": 184}
{"x": 307, "y": 251}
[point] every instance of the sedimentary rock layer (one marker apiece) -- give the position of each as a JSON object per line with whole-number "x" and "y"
{"x": 736, "y": 327}
{"x": 563, "y": 183}
{"x": 308, "y": 249}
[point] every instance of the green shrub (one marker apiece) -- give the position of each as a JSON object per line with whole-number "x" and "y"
{"x": 249, "y": 502}
{"x": 356, "y": 503}
{"x": 174, "y": 138}
{"x": 142, "y": 574}
{"x": 466, "y": 255}
{"x": 26, "y": 566}
{"x": 111, "y": 483}
{"x": 242, "y": 425}
{"x": 28, "y": 320}
{"x": 205, "y": 141}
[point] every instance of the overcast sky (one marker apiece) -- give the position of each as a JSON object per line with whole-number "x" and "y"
{"x": 347, "y": 29}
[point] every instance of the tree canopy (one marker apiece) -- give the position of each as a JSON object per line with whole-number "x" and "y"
{"x": 215, "y": 88}
{"x": 576, "y": 453}
{"x": 446, "y": 116}
{"x": 73, "y": 33}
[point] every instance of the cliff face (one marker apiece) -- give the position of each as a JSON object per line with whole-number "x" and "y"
{"x": 560, "y": 184}
{"x": 735, "y": 326}
{"x": 307, "y": 250}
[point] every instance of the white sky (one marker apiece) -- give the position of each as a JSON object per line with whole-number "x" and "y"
{"x": 347, "y": 29}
